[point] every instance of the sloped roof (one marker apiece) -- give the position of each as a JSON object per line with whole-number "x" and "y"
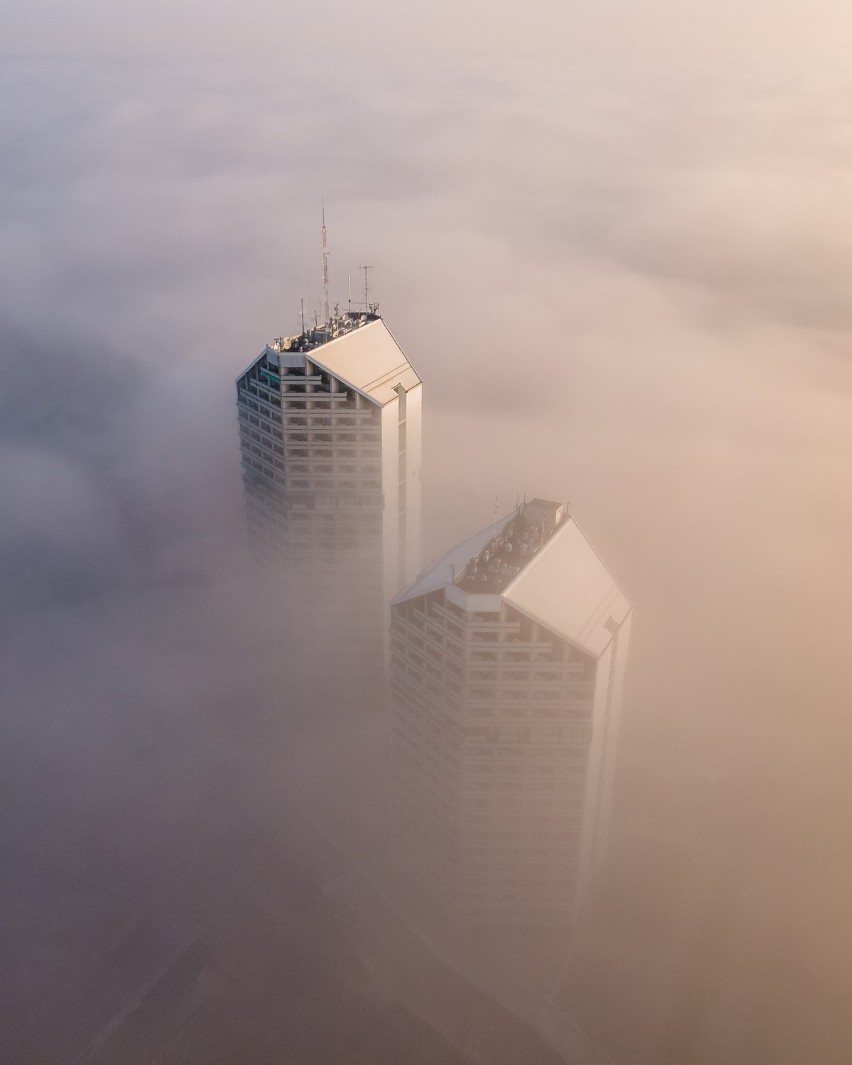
{"x": 368, "y": 359}
{"x": 442, "y": 571}
{"x": 567, "y": 588}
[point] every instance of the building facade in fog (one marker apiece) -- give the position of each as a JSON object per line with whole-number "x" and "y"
{"x": 329, "y": 424}
{"x": 507, "y": 658}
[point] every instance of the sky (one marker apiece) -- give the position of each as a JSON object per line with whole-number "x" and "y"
{"x": 615, "y": 243}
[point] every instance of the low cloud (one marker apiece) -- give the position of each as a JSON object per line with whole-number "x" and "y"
{"x": 629, "y": 293}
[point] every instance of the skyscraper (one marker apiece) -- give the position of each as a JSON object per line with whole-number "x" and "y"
{"x": 507, "y": 658}
{"x": 329, "y": 425}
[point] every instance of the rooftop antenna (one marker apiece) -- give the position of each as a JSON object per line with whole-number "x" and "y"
{"x": 302, "y": 305}
{"x": 324, "y": 266}
{"x": 366, "y": 287}
{"x": 350, "y": 292}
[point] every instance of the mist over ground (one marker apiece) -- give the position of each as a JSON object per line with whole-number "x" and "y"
{"x": 623, "y": 278}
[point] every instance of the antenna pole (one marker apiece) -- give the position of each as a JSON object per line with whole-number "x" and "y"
{"x": 302, "y": 306}
{"x": 324, "y": 267}
{"x": 350, "y": 292}
{"x": 366, "y": 288}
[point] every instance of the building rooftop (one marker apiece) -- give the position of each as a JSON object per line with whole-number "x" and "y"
{"x": 508, "y": 551}
{"x": 358, "y": 349}
{"x": 338, "y": 325}
{"x": 539, "y": 561}
{"x": 567, "y": 587}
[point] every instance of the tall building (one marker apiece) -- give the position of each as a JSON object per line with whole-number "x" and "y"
{"x": 329, "y": 425}
{"x": 507, "y": 658}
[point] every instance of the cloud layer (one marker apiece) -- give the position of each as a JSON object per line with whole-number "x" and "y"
{"x": 621, "y": 286}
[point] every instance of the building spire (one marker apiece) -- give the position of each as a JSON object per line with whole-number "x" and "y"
{"x": 366, "y": 288}
{"x": 324, "y": 268}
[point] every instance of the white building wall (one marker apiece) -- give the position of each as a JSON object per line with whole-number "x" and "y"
{"x": 414, "y": 447}
{"x": 600, "y": 782}
{"x": 391, "y": 582}
{"x": 401, "y": 469}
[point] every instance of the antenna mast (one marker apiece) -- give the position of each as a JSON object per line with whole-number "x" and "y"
{"x": 366, "y": 288}
{"x": 324, "y": 268}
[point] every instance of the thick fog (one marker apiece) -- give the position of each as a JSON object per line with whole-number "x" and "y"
{"x": 621, "y": 269}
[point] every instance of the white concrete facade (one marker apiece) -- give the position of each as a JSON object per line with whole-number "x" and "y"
{"x": 330, "y": 425}
{"x": 507, "y": 663}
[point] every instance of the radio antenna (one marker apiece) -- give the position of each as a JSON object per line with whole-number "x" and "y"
{"x": 324, "y": 267}
{"x": 366, "y": 287}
